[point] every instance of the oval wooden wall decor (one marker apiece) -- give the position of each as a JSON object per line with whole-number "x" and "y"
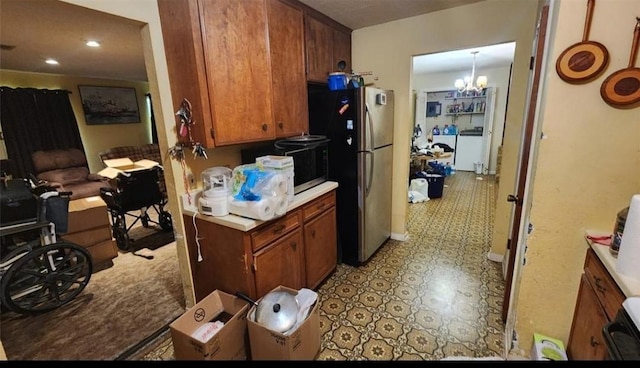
{"x": 622, "y": 88}
{"x": 584, "y": 61}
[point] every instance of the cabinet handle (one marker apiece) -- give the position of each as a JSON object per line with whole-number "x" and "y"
{"x": 313, "y": 233}
{"x": 279, "y": 229}
{"x": 600, "y": 288}
{"x": 254, "y": 265}
{"x": 320, "y": 206}
{"x": 594, "y": 342}
{"x": 280, "y": 125}
{"x": 264, "y": 127}
{"x": 294, "y": 245}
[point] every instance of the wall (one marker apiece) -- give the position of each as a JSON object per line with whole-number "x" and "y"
{"x": 587, "y": 170}
{"x": 387, "y": 50}
{"x": 95, "y": 138}
{"x": 498, "y": 80}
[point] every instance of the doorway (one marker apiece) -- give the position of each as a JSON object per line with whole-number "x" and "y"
{"x": 471, "y": 112}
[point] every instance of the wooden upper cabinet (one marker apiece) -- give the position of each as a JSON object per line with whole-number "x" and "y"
{"x": 218, "y": 58}
{"x": 342, "y": 49}
{"x": 319, "y": 47}
{"x": 286, "y": 50}
{"x": 180, "y": 23}
{"x": 238, "y": 68}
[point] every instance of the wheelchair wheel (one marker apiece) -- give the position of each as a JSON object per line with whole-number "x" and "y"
{"x": 120, "y": 234}
{"x": 46, "y": 278}
{"x": 165, "y": 221}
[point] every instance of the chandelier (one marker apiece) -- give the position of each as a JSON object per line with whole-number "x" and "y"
{"x": 466, "y": 85}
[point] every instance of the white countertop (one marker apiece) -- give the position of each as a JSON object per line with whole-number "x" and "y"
{"x": 246, "y": 224}
{"x": 629, "y": 286}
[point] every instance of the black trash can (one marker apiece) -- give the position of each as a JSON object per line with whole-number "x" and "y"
{"x": 436, "y": 185}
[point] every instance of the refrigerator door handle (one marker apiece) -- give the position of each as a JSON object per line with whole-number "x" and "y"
{"x": 370, "y": 150}
{"x": 370, "y": 170}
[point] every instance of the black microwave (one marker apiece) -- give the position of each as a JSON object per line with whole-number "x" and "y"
{"x": 310, "y": 158}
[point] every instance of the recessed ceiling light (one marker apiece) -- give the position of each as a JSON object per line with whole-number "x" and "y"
{"x": 51, "y": 62}
{"x": 93, "y": 43}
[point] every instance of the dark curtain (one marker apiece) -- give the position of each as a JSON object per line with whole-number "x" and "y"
{"x": 154, "y": 130}
{"x": 36, "y": 119}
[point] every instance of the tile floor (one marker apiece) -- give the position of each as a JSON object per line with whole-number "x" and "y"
{"x": 434, "y": 296}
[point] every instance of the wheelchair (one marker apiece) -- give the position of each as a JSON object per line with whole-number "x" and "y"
{"x": 135, "y": 193}
{"x": 38, "y": 273}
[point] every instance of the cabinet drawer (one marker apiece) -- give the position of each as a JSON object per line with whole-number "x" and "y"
{"x": 609, "y": 295}
{"x": 317, "y": 206}
{"x": 274, "y": 230}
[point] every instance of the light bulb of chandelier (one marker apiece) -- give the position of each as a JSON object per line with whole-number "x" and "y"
{"x": 459, "y": 84}
{"x": 482, "y": 81}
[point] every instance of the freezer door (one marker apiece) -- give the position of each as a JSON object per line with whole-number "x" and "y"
{"x": 374, "y": 216}
{"x": 378, "y": 115}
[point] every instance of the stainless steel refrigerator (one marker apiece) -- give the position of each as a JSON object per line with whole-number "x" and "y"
{"x": 359, "y": 124}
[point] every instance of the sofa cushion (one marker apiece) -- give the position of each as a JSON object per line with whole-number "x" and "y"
{"x": 58, "y": 159}
{"x": 65, "y": 176}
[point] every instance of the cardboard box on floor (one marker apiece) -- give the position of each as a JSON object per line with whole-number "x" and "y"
{"x": 87, "y": 213}
{"x": 120, "y": 165}
{"x": 302, "y": 344}
{"x": 229, "y": 343}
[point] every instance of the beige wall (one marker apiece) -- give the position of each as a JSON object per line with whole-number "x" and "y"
{"x": 95, "y": 138}
{"x": 387, "y": 49}
{"x": 587, "y": 170}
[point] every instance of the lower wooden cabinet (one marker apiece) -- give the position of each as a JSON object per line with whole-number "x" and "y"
{"x": 586, "y": 341}
{"x": 599, "y": 298}
{"x": 296, "y": 250}
{"x": 282, "y": 263}
{"x": 321, "y": 252}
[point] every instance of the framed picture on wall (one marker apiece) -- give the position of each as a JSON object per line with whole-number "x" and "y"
{"x": 434, "y": 109}
{"x": 109, "y": 105}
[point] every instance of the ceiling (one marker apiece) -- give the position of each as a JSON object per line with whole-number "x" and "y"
{"x": 26, "y": 25}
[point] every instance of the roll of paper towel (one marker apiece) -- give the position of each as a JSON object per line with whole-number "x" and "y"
{"x": 263, "y": 209}
{"x": 279, "y": 184}
{"x": 628, "y": 262}
{"x": 280, "y": 203}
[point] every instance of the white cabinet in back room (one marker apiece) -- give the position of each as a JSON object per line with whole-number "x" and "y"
{"x": 469, "y": 151}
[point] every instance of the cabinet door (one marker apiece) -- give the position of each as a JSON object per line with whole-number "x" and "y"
{"x": 320, "y": 247}
{"x": 342, "y": 50}
{"x": 319, "y": 48}
{"x": 223, "y": 264}
{"x": 585, "y": 340}
{"x": 185, "y": 64}
{"x": 286, "y": 47}
{"x": 280, "y": 264}
{"x": 238, "y": 69}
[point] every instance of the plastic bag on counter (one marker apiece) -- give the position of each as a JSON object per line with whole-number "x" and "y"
{"x": 258, "y": 193}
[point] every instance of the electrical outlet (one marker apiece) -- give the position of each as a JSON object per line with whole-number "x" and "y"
{"x": 192, "y": 181}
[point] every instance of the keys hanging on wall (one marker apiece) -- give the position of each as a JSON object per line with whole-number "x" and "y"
{"x": 184, "y": 131}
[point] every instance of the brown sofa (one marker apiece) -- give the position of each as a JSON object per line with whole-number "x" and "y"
{"x": 67, "y": 170}
{"x": 150, "y": 151}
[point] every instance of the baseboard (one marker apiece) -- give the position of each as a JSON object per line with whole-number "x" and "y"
{"x": 400, "y": 237}
{"x": 495, "y": 257}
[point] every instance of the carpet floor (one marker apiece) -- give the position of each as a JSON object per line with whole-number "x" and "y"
{"x": 139, "y": 294}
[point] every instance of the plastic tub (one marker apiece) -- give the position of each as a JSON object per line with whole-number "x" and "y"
{"x": 436, "y": 185}
{"x": 337, "y": 81}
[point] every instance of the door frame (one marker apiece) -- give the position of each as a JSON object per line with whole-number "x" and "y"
{"x": 522, "y": 199}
